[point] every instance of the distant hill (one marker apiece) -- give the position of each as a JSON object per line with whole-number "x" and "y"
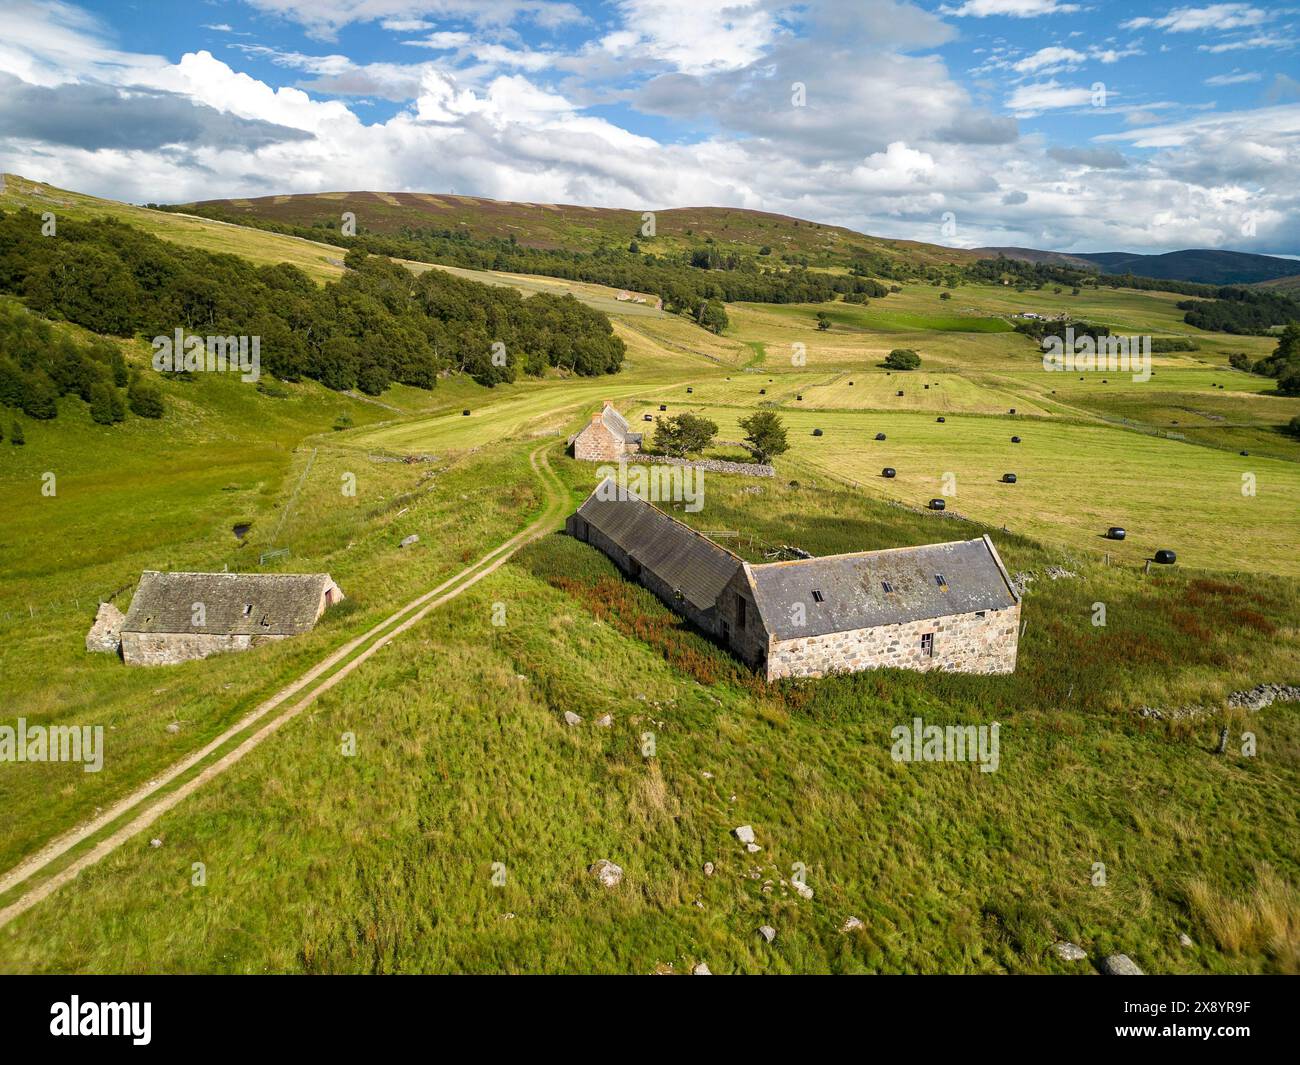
{"x": 1203, "y": 265}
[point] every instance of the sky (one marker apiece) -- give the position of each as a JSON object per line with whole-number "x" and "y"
{"x": 1089, "y": 126}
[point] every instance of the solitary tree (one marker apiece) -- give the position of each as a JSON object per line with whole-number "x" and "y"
{"x": 765, "y": 435}
{"x": 902, "y": 359}
{"x": 683, "y": 434}
{"x": 713, "y": 316}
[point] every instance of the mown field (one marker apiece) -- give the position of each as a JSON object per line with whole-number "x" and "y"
{"x": 387, "y": 861}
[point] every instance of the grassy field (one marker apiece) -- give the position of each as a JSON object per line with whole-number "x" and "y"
{"x": 385, "y": 861}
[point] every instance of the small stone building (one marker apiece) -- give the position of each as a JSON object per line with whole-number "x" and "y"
{"x": 948, "y": 606}
{"x": 606, "y": 438}
{"x": 176, "y": 617}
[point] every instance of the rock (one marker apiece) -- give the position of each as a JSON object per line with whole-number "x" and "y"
{"x": 745, "y": 833}
{"x": 803, "y": 890}
{"x": 155, "y": 843}
{"x": 570, "y": 718}
{"x": 105, "y": 635}
{"x": 1260, "y": 696}
{"x": 767, "y": 932}
{"x": 1069, "y": 951}
{"x": 507, "y": 917}
{"x": 708, "y": 868}
{"x": 1184, "y": 940}
{"x": 1120, "y": 965}
{"x": 605, "y": 721}
{"x": 174, "y": 727}
{"x": 414, "y": 538}
{"x": 707, "y": 775}
{"x": 609, "y": 874}
{"x": 701, "y": 970}
{"x": 753, "y": 848}
{"x": 851, "y": 924}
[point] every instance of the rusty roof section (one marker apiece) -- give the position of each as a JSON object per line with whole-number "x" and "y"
{"x": 234, "y": 604}
{"x": 688, "y": 562}
{"x": 839, "y": 593}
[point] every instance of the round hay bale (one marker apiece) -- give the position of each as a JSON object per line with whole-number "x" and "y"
{"x": 937, "y": 504}
{"x": 1013, "y": 410}
{"x": 799, "y": 398}
{"x": 850, "y": 384}
{"x": 940, "y": 418}
{"x": 900, "y": 391}
{"x": 762, "y": 391}
{"x": 464, "y": 414}
{"x": 880, "y": 436}
{"x": 689, "y": 391}
{"x": 1115, "y": 532}
{"x": 1166, "y": 557}
{"x": 889, "y": 471}
{"x": 663, "y": 406}
{"x": 647, "y": 417}
{"x": 1008, "y": 478}
{"x": 817, "y": 432}
{"x": 926, "y": 387}
{"x": 1245, "y": 452}
{"x": 1015, "y": 439}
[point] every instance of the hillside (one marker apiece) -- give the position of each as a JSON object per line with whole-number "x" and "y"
{"x": 1202, "y": 265}
{"x": 566, "y": 226}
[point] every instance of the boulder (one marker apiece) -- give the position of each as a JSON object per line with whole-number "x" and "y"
{"x": 407, "y": 541}
{"x": 745, "y": 833}
{"x": 753, "y": 848}
{"x": 851, "y": 924}
{"x": 609, "y": 874}
{"x": 605, "y": 721}
{"x": 1184, "y": 940}
{"x": 570, "y": 718}
{"x": 767, "y": 932}
{"x": 1120, "y": 965}
{"x": 1069, "y": 951}
{"x": 803, "y": 890}
{"x": 701, "y": 970}
{"x": 105, "y": 635}
{"x": 708, "y": 868}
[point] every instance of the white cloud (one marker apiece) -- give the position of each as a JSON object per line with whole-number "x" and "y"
{"x": 1010, "y": 8}
{"x": 1193, "y": 19}
{"x": 1235, "y": 78}
{"x": 1033, "y": 99}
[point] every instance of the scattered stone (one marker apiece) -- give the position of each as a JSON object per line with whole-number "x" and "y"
{"x": 155, "y": 843}
{"x": 507, "y": 917}
{"x": 701, "y": 970}
{"x": 1263, "y": 695}
{"x": 605, "y": 721}
{"x": 851, "y": 924}
{"x": 105, "y": 635}
{"x": 767, "y": 932}
{"x": 1120, "y": 965}
{"x": 803, "y": 890}
{"x": 707, "y": 775}
{"x": 708, "y": 868}
{"x": 571, "y": 718}
{"x": 174, "y": 727}
{"x": 745, "y": 833}
{"x": 1184, "y": 940}
{"x": 753, "y": 848}
{"x": 609, "y": 874}
{"x": 414, "y": 538}
{"x": 1070, "y": 952}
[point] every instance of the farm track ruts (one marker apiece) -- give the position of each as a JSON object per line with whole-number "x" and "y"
{"x": 372, "y": 641}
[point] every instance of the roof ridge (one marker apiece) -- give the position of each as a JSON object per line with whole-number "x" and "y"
{"x": 863, "y": 554}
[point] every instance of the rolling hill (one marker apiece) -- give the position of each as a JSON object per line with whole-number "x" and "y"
{"x": 1205, "y": 266}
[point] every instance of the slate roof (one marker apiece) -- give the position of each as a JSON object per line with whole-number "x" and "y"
{"x": 853, "y": 594}
{"x": 617, "y": 424}
{"x": 683, "y": 559}
{"x": 235, "y": 604}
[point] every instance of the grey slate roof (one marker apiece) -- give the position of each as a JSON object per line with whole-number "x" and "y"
{"x": 683, "y": 559}
{"x": 617, "y": 425}
{"x": 282, "y": 604}
{"x": 853, "y": 593}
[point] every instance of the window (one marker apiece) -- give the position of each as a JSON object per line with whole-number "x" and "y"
{"x": 248, "y": 609}
{"x": 941, "y": 582}
{"x": 889, "y": 588}
{"x": 979, "y": 613}
{"x": 741, "y": 604}
{"x": 634, "y": 568}
{"x": 818, "y": 597}
{"x": 927, "y": 645}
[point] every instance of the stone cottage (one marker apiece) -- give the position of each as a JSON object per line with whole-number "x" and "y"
{"x": 175, "y": 617}
{"x": 606, "y": 438}
{"x": 948, "y": 606}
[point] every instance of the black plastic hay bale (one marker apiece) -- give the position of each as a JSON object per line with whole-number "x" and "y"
{"x": 880, "y": 436}
{"x": 1166, "y": 557}
{"x": 900, "y": 392}
{"x": 1015, "y": 439}
{"x": 762, "y": 391}
{"x": 817, "y": 432}
{"x": 926, "y": 387}
{"x": 464, "y": 414}
{"x": 889, "y": 471}
{"x": 1013, "y": 410}
{"x": 940, "y": 418}
{"x": 850, "y": 384}
{"x": 1008, "y": 478}
{"x": 648, "y": 417}
{"x": 799, "y": 398}
{"x": 690, "y": 390}
{"x": 937, "y": 504}
{"x": 1115, "y": 532}
{"x": 663, "y": 406}
{"x": 1245, "y": 452}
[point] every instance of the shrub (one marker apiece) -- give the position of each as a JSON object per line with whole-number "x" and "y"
{"x": 902, "y": 359}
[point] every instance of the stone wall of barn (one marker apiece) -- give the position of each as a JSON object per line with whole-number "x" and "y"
{"x": 749, "y": 641}
{"x": 577, "y": 527}
{"x": 963, "y": 643}
{"x": 169, "y": 648}
{"x": 597, "y": 444}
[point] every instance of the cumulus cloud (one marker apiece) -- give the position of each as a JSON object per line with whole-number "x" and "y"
{"x": 1092, "y": 158}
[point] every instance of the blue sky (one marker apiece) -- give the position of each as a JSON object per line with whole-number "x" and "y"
{"x": 1073, "y": 126}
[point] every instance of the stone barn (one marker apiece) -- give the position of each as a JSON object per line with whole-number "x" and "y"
{"x": 684, "y": 569}
{"x": 606, "y": 438}
{"x": 945, "y": 606}
{"x": 176, "y": 617}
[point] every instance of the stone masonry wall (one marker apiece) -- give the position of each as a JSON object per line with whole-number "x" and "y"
{"x": 597, "y": 444}
{"x": 963, "y": 643}
{"x": 749, "y": 642}
{"x": 168, "y": 648}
